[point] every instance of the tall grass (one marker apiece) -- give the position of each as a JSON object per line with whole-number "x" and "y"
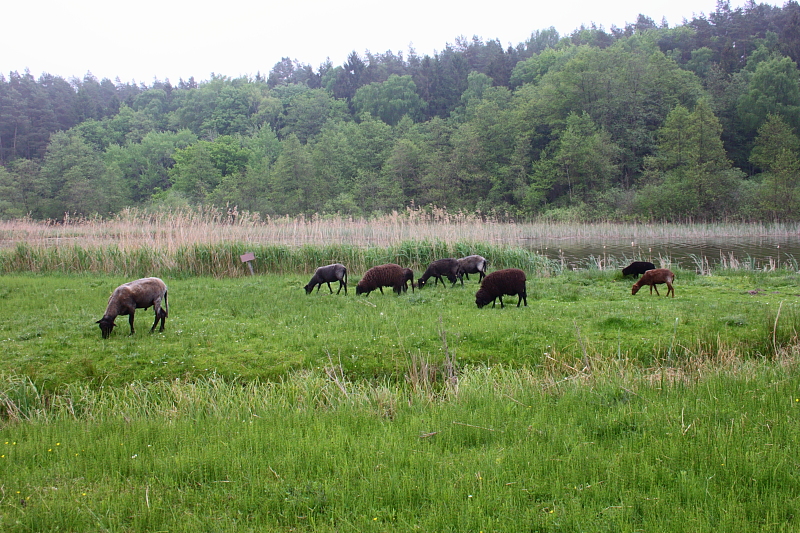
{"x": 223, "y": 259}
{"x": 171, "y": 231}
{"x": 706, "y": 448}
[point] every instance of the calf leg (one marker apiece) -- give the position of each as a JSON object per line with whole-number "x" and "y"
{"x": 653, "y": 286}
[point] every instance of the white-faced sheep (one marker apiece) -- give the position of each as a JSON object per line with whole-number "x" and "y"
{"x": 408, "y": 277}
{"x": 637, "y": 268}
{"x": 133, "y": 295}
{"x": 448, "y": 268}
{"x": 378, "y": 277}
{"x": 654, "y": 276}
{"x": 509, "y": 281}
{"x": 473, "y": 264}
{"x": 327, "y": 274}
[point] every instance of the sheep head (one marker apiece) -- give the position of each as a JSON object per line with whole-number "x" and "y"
{"x": 106, "y": 326}
{"x": 482, "y": 299}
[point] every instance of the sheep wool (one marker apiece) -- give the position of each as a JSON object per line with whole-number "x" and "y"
{"x": 378, "y": 277}
{"x": 510, "y": 281}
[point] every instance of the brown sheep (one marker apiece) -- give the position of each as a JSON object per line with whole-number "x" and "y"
{"x": 442, "y": 267}
{"x": 378, "y": 277}
{"x": 509, "y": 281}
{"x": 133, "y": 295}
{"x": 327, "y": 274}
{"x": 652, "y": 277}
{"x": 473, "y": 264}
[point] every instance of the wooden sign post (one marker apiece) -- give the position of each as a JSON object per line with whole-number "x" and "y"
{"x": 247, "y": 258}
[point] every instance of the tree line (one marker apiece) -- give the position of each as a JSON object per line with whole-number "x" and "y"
{"x": 644, "y": 122}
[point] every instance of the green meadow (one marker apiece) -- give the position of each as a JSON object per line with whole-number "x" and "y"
{"x": 261, "y": 408}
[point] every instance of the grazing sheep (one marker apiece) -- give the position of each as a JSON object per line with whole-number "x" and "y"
{"x": 442, "y": 267}
{"x": 473, "y": 264}
{"x": 378, "y": 277}
{"x": 651, "y": 277}
{"x": 132, "y": 295}
{"x": 408, "y": 275}
{"x": 327, "y": 274}
{"x": 509, "y": 281}
{"x": 637, "y": 268}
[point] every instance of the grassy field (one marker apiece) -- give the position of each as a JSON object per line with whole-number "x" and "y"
{"x": 262, "y": 327}
{"x": 261, "y": 408}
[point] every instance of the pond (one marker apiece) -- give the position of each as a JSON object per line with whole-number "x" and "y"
{"x": 700, "y": 255}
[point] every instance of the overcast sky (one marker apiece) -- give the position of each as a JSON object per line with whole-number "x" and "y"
{"x": 172, "y": 39}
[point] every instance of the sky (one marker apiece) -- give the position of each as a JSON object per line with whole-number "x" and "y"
{"x": 173, "y": 39}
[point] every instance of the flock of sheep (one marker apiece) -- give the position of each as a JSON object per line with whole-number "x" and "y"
{"x": 509, "y": 281}
{"x": 147, "y": 292}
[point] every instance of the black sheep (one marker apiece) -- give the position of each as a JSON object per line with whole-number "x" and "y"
{"x": 509, "y": 281}
{"x": 448, "y": 268}
{"x": 327, "y": 274}
{"x": 637, "y": 268}
{"x": 378, "y": 277}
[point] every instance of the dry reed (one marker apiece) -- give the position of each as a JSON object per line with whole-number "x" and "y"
{"x": 170, "y": 231}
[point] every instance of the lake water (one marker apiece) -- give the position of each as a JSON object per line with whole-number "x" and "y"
{"x": 757, "y": 253}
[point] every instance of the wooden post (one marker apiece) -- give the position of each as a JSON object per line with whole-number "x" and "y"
{"x": 247, "y": 258}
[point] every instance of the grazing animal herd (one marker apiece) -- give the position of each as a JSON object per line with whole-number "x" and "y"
{"x": 147, "y": 292}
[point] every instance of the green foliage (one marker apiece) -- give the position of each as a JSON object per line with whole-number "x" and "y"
{"x": 390, "y": 100}
{"x": 692, "y": 176}
{"x": 76, "y": 179}
{"x": 774, "y": 88}
{"x": 777, "y": 151}
{"x": 477, "y": 126}
{"x": 195, "y": 173}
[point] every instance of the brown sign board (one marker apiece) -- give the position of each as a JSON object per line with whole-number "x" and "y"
{"x": 249, "y": 256}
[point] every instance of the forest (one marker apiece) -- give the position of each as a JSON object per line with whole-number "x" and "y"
{"x": 647, "y": 122}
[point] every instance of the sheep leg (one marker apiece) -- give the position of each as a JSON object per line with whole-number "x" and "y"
{"x": 523, "y": 296}
{"x": 670, "y": 288}
{"x": 130, "y": 321}
{"x": 653, "y": 286}
{"x": 501, "y": 303}
{"x": 329, "y": 287}
{"x": 159, "y": 316}
{"x": 381, "y": 288}
{"x": 340, "y": 288}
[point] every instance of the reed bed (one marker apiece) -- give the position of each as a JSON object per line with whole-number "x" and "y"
{"x": 222, "y": 260}
{"x": 171, "y": 231}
